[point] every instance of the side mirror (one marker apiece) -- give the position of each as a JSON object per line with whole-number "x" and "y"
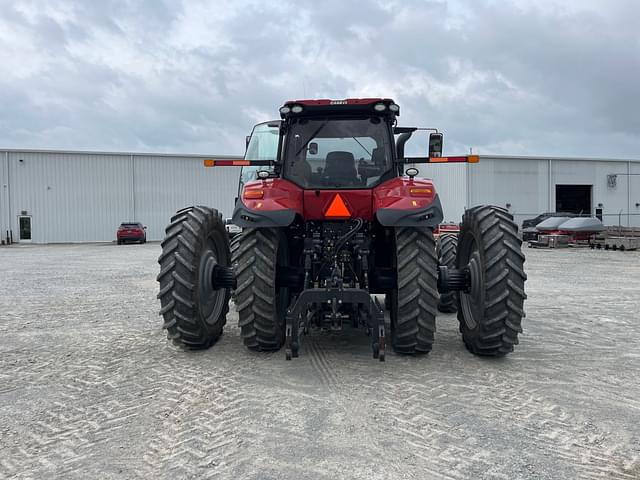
{"x": 313, "y": 148}
{"x": 144, "y": 227}
{"x": 435, "y": 145}
{"x": 411, "y": 172}
{"x": 247, "y": 139}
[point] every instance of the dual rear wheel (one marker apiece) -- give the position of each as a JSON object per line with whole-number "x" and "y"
{"x": 490, "y": 313}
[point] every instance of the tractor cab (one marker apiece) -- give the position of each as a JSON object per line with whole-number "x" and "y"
{"x": 338, "y": 144}
{"x": 337, "y": 153}
{"x": 335, "y": 144}
{"x": 323, "y": 144}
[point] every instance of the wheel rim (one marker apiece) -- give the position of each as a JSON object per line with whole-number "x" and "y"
{"x": 211, "y": 300}
{"x": 472, "y": 302}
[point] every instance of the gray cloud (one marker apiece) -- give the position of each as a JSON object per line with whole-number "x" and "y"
{"x": 501, "y": 77}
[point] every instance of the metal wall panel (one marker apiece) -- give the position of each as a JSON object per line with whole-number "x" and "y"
{"x": 450, "y": 181}
{"x": 70, "y": 197}
{"x": 163, "y": 185}
{"x": 523, "y": 184}
{"x": 634, "y": 193}
{"x": 4, "y": 195}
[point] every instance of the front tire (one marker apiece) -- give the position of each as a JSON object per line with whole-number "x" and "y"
{"x": 194, "y": 311}
{"x": 414, "y": 300}
{"x": 491, "y": 313}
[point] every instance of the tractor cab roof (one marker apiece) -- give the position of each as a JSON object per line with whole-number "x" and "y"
{"x": 349, "y": 106}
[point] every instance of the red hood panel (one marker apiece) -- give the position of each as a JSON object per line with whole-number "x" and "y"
{"x": 358, "y": 202}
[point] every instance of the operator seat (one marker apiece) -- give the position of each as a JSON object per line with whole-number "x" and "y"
{"x": 300, "y": 172}
{"x": 378, "y": 157}
{"x": 371, "y": 171}
{"x": 340, "y": 169}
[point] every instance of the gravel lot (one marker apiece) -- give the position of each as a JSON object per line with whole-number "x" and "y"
{"x": 90, "y": 388}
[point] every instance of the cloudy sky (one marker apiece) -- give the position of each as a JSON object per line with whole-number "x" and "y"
{"x": 508, "y": 77}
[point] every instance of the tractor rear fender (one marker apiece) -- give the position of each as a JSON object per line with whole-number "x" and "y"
{"x": 273, "y": 202}
{"x": 407, "y": 202}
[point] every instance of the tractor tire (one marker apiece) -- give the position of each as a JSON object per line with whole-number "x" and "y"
{"x": 194, "y": 311}
{"x": 414, "y": 300}
{"x": 491, "y": 313}
{"x": 447, "y": 248}
{"x": 261, "y": 305}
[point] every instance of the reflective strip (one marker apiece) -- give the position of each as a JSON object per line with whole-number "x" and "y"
{"x": 226, "y": 163}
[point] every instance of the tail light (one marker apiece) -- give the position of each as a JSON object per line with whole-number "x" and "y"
{"x": 421, "y": 192}
{"x": 253, "y": 194}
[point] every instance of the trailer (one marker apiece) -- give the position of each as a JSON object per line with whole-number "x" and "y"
{"x": 622, "y": 243}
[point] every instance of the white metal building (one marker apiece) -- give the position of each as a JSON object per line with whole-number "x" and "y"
{"x": 84, "y": 196}
{"x": 528, "y": 186}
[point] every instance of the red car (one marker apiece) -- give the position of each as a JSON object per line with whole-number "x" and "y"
{"x": 131, "y": 232}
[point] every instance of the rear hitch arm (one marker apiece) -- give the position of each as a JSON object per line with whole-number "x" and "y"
{"x": 313, "y": 296}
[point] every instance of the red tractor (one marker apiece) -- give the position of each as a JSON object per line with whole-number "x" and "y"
{"x": 332, "y": 217}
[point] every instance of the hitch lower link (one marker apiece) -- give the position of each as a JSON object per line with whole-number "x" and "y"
{"x": 315, "y": 296}
{"x": 452, "y": 279}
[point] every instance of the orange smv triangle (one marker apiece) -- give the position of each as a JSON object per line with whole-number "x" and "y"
{"x": 337, "y": 208}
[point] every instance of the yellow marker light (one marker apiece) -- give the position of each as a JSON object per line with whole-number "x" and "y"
{"x": 253, "y": 194}
{"x": 473, "y": 158}
{"x": 208, "y": 162}
{"x": 420, "y": 192}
